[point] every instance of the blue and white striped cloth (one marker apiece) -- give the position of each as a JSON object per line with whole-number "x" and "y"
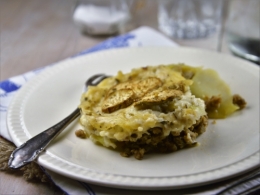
{"x": 143, "y": 36}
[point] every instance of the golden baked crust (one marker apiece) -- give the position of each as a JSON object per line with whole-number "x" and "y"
{"x": 150, "y": 109}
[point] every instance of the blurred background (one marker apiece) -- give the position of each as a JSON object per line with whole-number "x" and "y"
{"x": 36, "y": 33}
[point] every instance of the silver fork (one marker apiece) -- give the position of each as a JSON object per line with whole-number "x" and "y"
{"x": 31, "y": 149}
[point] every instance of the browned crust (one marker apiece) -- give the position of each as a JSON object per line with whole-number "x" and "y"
{"x": 159, "y": 96}
{"x": 124, "y": 94}
{"x": 117, "y": 100}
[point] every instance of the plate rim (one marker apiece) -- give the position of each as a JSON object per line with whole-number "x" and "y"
{"x": 165, "y": 182}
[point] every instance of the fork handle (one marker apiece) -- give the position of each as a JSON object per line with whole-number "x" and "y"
{"x": 30, "y": 150}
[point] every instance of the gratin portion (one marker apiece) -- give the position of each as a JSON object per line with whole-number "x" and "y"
{"x": 150, "y": 109}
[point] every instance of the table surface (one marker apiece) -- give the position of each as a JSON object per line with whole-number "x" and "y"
{"x": 37, "y": 33}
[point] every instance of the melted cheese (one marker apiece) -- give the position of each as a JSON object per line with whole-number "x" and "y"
{"x": 160, "y": 97}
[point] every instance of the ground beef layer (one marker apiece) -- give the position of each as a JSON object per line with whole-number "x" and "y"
{"x": 156, "y": 142}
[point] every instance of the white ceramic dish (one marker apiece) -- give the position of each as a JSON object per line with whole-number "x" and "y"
{"x": 228, "y": 148}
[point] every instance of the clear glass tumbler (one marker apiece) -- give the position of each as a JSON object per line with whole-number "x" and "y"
{"x": 243, "y": 29}
{"x": 189, "y": 19}
{"x": 102, "y": 17}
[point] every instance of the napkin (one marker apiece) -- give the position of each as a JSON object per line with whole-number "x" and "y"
{"x": 143, "y": 36}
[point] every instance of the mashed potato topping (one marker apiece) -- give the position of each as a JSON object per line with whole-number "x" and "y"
{"x": 150, "y": 109}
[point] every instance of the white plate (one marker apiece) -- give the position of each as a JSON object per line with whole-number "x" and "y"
{"x": 228, "y": 148}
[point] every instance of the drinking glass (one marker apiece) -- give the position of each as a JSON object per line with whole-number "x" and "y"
{"x": 102, "y": 17}
{"x": 243, "y": 29}
{"x": 189, "y": 18}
